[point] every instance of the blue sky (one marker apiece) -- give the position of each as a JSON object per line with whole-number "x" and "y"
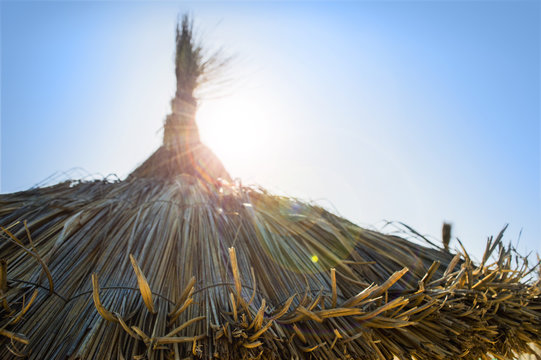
{"x": 408, "y": 111}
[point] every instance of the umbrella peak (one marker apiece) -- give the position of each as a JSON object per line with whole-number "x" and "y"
{"x": 180, "y": 128}
{"x": 182, "y": 151}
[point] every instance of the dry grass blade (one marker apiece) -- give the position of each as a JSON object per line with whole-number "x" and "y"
{"x": 261, "y": 331}
{"x": 185, "y": 294}
{"x": 33, "y": 254}
{"x": 3, "y": 276}
{"x": 333, "y": 287}
{"x": 338, "y": 312}
{"x": 184, "y": 306}
{"x": 368, "y": 292}
{"x": 25, "y": 308}
{"x": 390, "y": 282}
{"x": 14, "y": 336}
{"x": 258, "y": 319}
{"x": 4, "y": 283}
{"x": 126, "y": 328}
{"x": 233, "y": 306}
{"x": 235, "y": 269}
{"x": 185, "y": 325}
{"x": 106, "y": 314}
{"x": 178, "y": 340}
{"x": 390, "y": 305}
{"x": 435, "y": 265}
{"x": 252, "y": 345}
{"x": 143, "y": 286}
{"x": 284, "y": 308}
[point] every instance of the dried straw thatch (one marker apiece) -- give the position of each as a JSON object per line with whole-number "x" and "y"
{"x": 174, "y": 263}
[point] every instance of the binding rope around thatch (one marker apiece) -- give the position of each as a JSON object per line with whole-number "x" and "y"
{"x": 237, "y": 273}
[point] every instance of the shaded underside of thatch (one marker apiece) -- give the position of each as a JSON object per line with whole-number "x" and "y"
{"x": 187, "y": 269}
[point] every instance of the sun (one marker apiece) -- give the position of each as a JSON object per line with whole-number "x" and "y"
{"x": 236, "y": 127}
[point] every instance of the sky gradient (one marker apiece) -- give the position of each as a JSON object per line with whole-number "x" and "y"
{"x": 420, "y": 112}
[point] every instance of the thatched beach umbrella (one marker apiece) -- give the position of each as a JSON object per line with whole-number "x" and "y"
{"x": 177, "y": 262}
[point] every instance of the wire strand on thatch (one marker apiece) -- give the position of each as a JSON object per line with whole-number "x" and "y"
{"x": 446, "y": 235}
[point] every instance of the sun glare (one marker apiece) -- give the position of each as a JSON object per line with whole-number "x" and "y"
{"x": 235, "y": 128}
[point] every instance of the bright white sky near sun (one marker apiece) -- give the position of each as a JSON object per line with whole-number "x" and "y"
{"x": 417, "y": 112}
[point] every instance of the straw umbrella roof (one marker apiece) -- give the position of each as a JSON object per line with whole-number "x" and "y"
{"x": 177, "y": 262}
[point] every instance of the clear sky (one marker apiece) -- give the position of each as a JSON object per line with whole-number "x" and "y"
{"x": 417, "y": 112}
